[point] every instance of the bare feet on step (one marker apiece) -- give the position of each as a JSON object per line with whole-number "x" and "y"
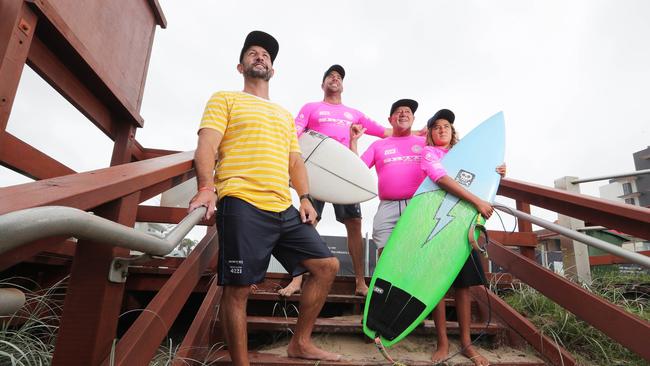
{"x": 292, "y": 288}
{"x": 309, "y": 351}
{"x": 289, "y": 290}
{"x": 361, "y": 289}
{"x": 478, "y": 359}
{"x": 441, "y": 353}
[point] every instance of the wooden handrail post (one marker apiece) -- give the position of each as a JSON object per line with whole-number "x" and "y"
{"x": 575, "y": 255}
{"x": 525, "y": 226}
{"x": 17, "y": 25}
{"x": 92, "y": 303}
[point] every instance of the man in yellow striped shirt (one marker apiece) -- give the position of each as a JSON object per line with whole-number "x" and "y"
{"x": 254, "y": 141}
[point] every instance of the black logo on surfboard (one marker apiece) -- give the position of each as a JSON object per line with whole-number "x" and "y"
{"x": 465, "y": 178}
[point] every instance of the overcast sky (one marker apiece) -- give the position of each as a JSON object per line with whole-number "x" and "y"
{"x": 572, "y": 77}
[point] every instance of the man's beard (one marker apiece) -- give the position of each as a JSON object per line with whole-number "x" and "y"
{"x": 251, "y": 72}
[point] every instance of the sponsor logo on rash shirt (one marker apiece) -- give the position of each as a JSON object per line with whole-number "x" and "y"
{"x": 338, "y": 121}
{"x": 403, "y": 159}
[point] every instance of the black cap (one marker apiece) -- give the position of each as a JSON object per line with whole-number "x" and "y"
{"x": 337, "y": 68}
{"x": 441, "y": 114}
{"x": 404, "y": 103}
{"x": 262, "y": 39}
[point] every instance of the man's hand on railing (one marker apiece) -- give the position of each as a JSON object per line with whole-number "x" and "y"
{"x": 204, "y": 197}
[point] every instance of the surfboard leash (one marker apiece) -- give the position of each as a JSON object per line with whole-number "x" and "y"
{"x": 384, "y": 352}
{"x": 476, "y": 224}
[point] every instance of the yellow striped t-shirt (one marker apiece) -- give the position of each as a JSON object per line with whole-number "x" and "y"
{"x": 253, "y": 157}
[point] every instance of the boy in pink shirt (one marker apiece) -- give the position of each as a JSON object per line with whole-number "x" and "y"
{"x": 330, "y": 117}
{"x": 441, "y": 136}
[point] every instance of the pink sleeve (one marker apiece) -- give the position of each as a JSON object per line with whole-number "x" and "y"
{"x": 431, "y": 164}
{"x": 368, "y": 156}
{"x": 302, "y": 119}
{"x": 372, "y": 128}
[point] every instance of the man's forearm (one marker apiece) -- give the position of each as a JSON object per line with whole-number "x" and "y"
{"x": 298, "y": 175}
{"x": 204, "y": 166}
{"x": 204, "y": 157}
{"x": 453, "y": 187}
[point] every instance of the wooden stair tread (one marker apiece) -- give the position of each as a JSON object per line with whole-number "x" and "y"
{"x": 352, "y": 324}
{"x": 331, "y": 298}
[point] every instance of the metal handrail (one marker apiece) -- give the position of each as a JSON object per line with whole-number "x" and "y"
{"x": 11, "y": 300}
{"x": 583, "y": 238}
{"x": 612, "y": 176}
{"x": 25, "y": 226}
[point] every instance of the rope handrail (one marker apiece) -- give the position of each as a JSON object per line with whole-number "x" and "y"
{"x": 583, "y": 238}
{"x": 24, "y": 226}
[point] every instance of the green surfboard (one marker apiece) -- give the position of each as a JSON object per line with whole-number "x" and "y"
{"x": 430, "y": 244}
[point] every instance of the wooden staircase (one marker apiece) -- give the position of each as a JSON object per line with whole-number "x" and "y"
{"x": 339, "y": 329}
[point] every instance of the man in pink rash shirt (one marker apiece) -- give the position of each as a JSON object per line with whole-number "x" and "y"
{"x": 397, "y": 162}
{"x": 330, "y": 117}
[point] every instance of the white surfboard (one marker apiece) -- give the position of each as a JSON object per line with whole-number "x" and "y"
{"x": 336, "y": 174}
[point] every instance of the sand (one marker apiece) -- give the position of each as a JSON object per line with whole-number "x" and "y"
{"x": 413, "y": 349}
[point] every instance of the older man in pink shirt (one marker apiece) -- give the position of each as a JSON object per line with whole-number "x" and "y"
{"x": 397, "y": 162}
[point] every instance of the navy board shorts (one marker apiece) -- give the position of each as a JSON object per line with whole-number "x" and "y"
{"x": 249, "y": 236}
{"x": 472, "y": 273}
{"x": 342, "y": 212}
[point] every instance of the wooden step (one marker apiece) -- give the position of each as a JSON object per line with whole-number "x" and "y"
{"x": 351, "y": 324}
{"x": 344, "y": 285}
{"x": 331, "y": 298}
{"x": 357, "y": 351}
{"x": 257, "y": 358}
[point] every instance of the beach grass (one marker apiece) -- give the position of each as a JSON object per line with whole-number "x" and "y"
{"x": 589, "y": 345}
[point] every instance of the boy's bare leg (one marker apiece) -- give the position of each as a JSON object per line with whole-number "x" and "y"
{"x": 463, "y": 307}
{"x": 442, "y": 344}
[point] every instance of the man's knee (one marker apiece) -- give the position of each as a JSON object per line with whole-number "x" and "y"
{"x": 326, "y": 267}
{"x": 333, "y": 265}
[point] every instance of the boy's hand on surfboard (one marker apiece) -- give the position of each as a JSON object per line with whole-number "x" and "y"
{"x": 501, "y": 169}
{"x": 484, "y": 208}
{"x": 205, "y": 198}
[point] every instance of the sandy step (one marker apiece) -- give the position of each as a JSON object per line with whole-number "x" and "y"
{"x": 357, "y": 351}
